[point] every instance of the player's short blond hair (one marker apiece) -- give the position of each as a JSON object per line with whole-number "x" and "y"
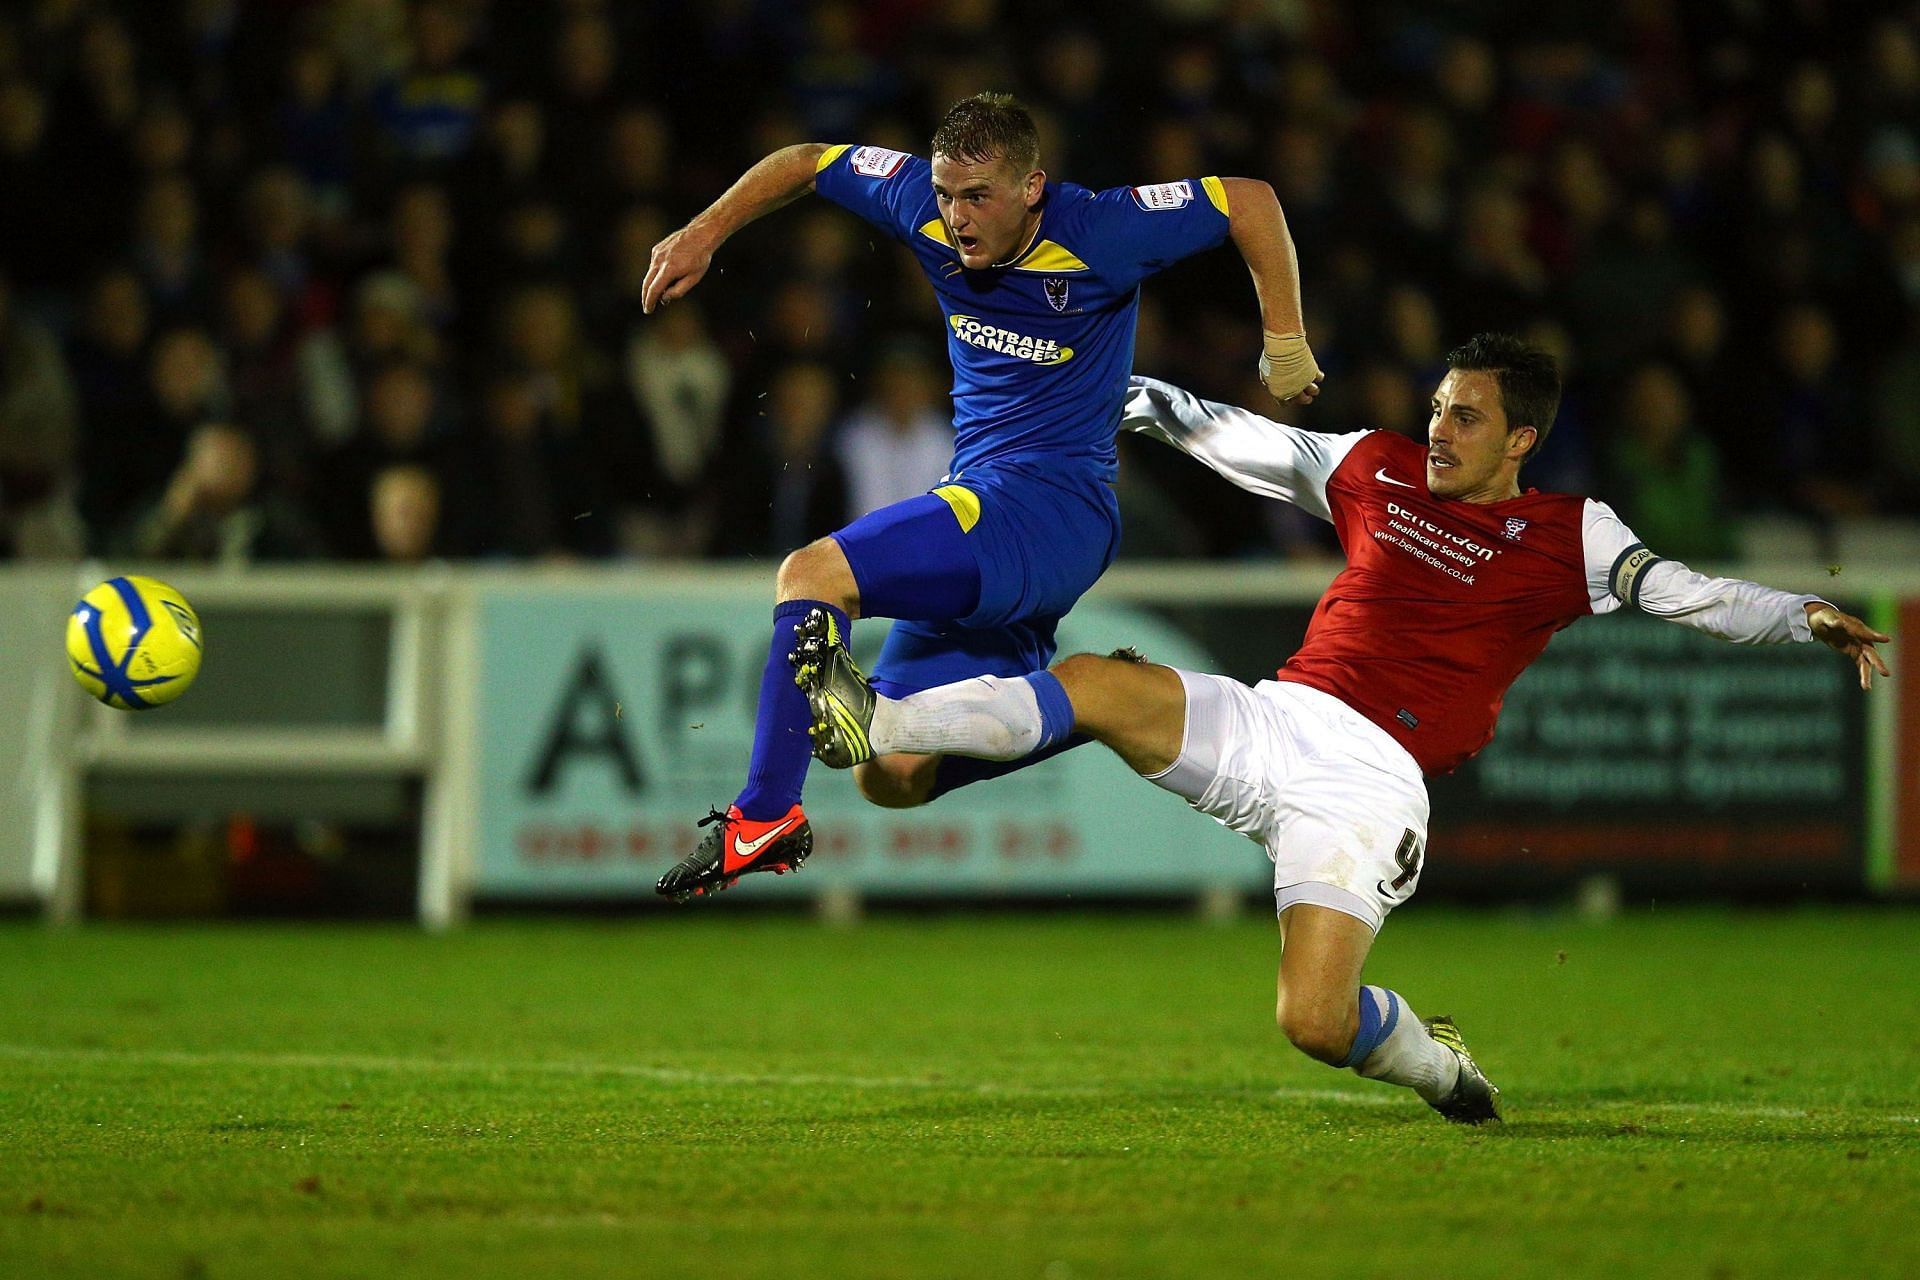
{"x": 988, "y": 127}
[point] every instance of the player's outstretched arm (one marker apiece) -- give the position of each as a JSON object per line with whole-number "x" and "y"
{"x": 1258, "y": 454}
{"x": 1622, "y": 570}
{"x": 682, "y": 258}
{"x": 1259, "y": 231}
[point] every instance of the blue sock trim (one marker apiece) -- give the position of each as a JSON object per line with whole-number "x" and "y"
{"x": 788, "y": 610}
{"x": 955, "y": 772}
{"x": 1375, "y": 1026}
{"x": 1056, "y": 709}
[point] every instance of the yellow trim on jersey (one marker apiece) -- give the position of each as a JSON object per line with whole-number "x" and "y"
{"x": 1217, "y": 192}
{"x": 1051, "y": 258}
{"x": 965, "y": 503}
{"x": 828, "y": 156}
{"x": 937, "y": 230}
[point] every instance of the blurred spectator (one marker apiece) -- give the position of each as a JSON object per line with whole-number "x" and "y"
{"x": 1817, "y": 454}
{"x": 430, "y": 112}
{"x": 404, "y": 422}
{"x": 513, "y": 163}
{"x": 279, "y": 223}
{"x": 1896, "y": 430}
{"x": 88, "y": 136}
{"x": 421, "y": 229}
{"x": 403, "y": 505}
{"x": 1413, "y": 338}
{"x": 614, "y": 301}
{"x": 585, "y": 79}
{"x": 1417, "y": 190}
{"x": 1073, "y": 86}
{"x": 126, "y": 463}
{"x": 1665, "y": 475}
{"x": 107, "y": 356}
{"x": 215, "y": 508}
{"x": 897, "y": 444}
{"x": 1697, "y": 345}
{"x": 38, "y": 519}
{"x": 1632, "y": 271}
{"x": 1567, "y": 464}
{"x": 316, "y": 123}
{"x": 385, "y": 325}
{"x": 788, "y": 488}
{"x": 262, "y": 374}
{"x": 30, "y": 203}
{"x": 832, "y": 82}
{"x": 1501, "y": 283}
{"x": 541, "y": 337}
{"x": 1389, "y": 400}
{"x": 540, "y": 484}
{"x": 681, "y": 382}
{"x": 639, "y": 161}
{"x": 166, "y": 249}
{"x": 162, "y": 140}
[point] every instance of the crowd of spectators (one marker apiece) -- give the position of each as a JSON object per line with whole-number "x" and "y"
{"x": 360, "y": 278}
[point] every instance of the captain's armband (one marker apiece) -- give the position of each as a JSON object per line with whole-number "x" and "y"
{"x": 1630, "y": 571}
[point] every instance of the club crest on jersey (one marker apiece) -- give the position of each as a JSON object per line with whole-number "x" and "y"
{"x": 1515, "y": 527}
{"x": 1164, "y": 195}
{"x": 1056, "y": 287}
{"x": 877, "y": 162}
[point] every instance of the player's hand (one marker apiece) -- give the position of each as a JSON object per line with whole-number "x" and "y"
{"x": 1844, "y": 633}
{"x": 1287, "y": 369}
{"x": 678, "y": 264}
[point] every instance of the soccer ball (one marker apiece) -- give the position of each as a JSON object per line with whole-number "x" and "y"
{"x": 134, "y": 643}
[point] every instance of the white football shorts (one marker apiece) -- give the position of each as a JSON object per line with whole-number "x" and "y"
{"x": 1339, "y": 806}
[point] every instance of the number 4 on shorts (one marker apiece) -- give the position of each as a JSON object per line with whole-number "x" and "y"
{"x": 1407, "y": 857}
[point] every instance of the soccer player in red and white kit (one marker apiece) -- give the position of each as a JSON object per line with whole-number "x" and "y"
{"x": 1456, "y": 579}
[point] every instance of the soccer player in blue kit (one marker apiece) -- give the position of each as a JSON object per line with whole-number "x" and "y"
{"x": 1039, "y": 285}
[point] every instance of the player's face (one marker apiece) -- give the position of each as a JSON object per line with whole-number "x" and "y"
{"x": 1472, "y": 455}
{"x": 989, "y": 208}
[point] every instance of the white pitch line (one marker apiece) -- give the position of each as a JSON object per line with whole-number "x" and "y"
{"x": 464, "y": 1066}
{"x": 681, "y": 1075}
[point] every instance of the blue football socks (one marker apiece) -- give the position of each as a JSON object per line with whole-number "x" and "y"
{"x": 781, "y": 748}
{"x": 955, "y": 772}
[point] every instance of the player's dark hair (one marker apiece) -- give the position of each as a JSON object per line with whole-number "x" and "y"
{"x": 988, "y": 127}
{"x": 1529, "y": 379}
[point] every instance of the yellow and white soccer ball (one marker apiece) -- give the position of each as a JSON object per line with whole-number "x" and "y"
{"x": 134, "y": 643}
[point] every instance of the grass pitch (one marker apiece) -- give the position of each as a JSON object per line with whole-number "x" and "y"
{"x": 714, "y": 1094}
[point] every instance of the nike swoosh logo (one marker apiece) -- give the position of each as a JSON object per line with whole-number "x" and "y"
{"x": 747, "y": 848}
{"x": 1382, "y": 476}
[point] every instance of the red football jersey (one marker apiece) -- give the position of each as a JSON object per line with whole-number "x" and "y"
{"x": 1442, "y": 604}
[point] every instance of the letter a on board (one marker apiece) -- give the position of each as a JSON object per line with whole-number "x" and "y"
{"x": 586, "y": 724}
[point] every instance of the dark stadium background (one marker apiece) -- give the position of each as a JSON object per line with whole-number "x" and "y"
{"x": 370, "y": 235}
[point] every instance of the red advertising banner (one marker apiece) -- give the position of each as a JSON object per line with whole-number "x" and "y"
{"x": 1906, "y": 773}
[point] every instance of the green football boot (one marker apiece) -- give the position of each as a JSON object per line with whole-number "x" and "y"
{"x": 1474, "y": 1099}
{"x": 838, "y": 695}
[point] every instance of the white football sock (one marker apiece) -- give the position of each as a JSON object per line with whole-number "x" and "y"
{"x": 988, "y": 718}
{"x": 1411, "y": 1057}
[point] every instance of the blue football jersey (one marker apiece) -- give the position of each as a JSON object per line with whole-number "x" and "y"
{"x": 1041, "y": 347}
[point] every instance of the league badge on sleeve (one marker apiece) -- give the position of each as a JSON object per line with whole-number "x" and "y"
{"x": 877, "y": 162}
{"x": 1164, "y": 195}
